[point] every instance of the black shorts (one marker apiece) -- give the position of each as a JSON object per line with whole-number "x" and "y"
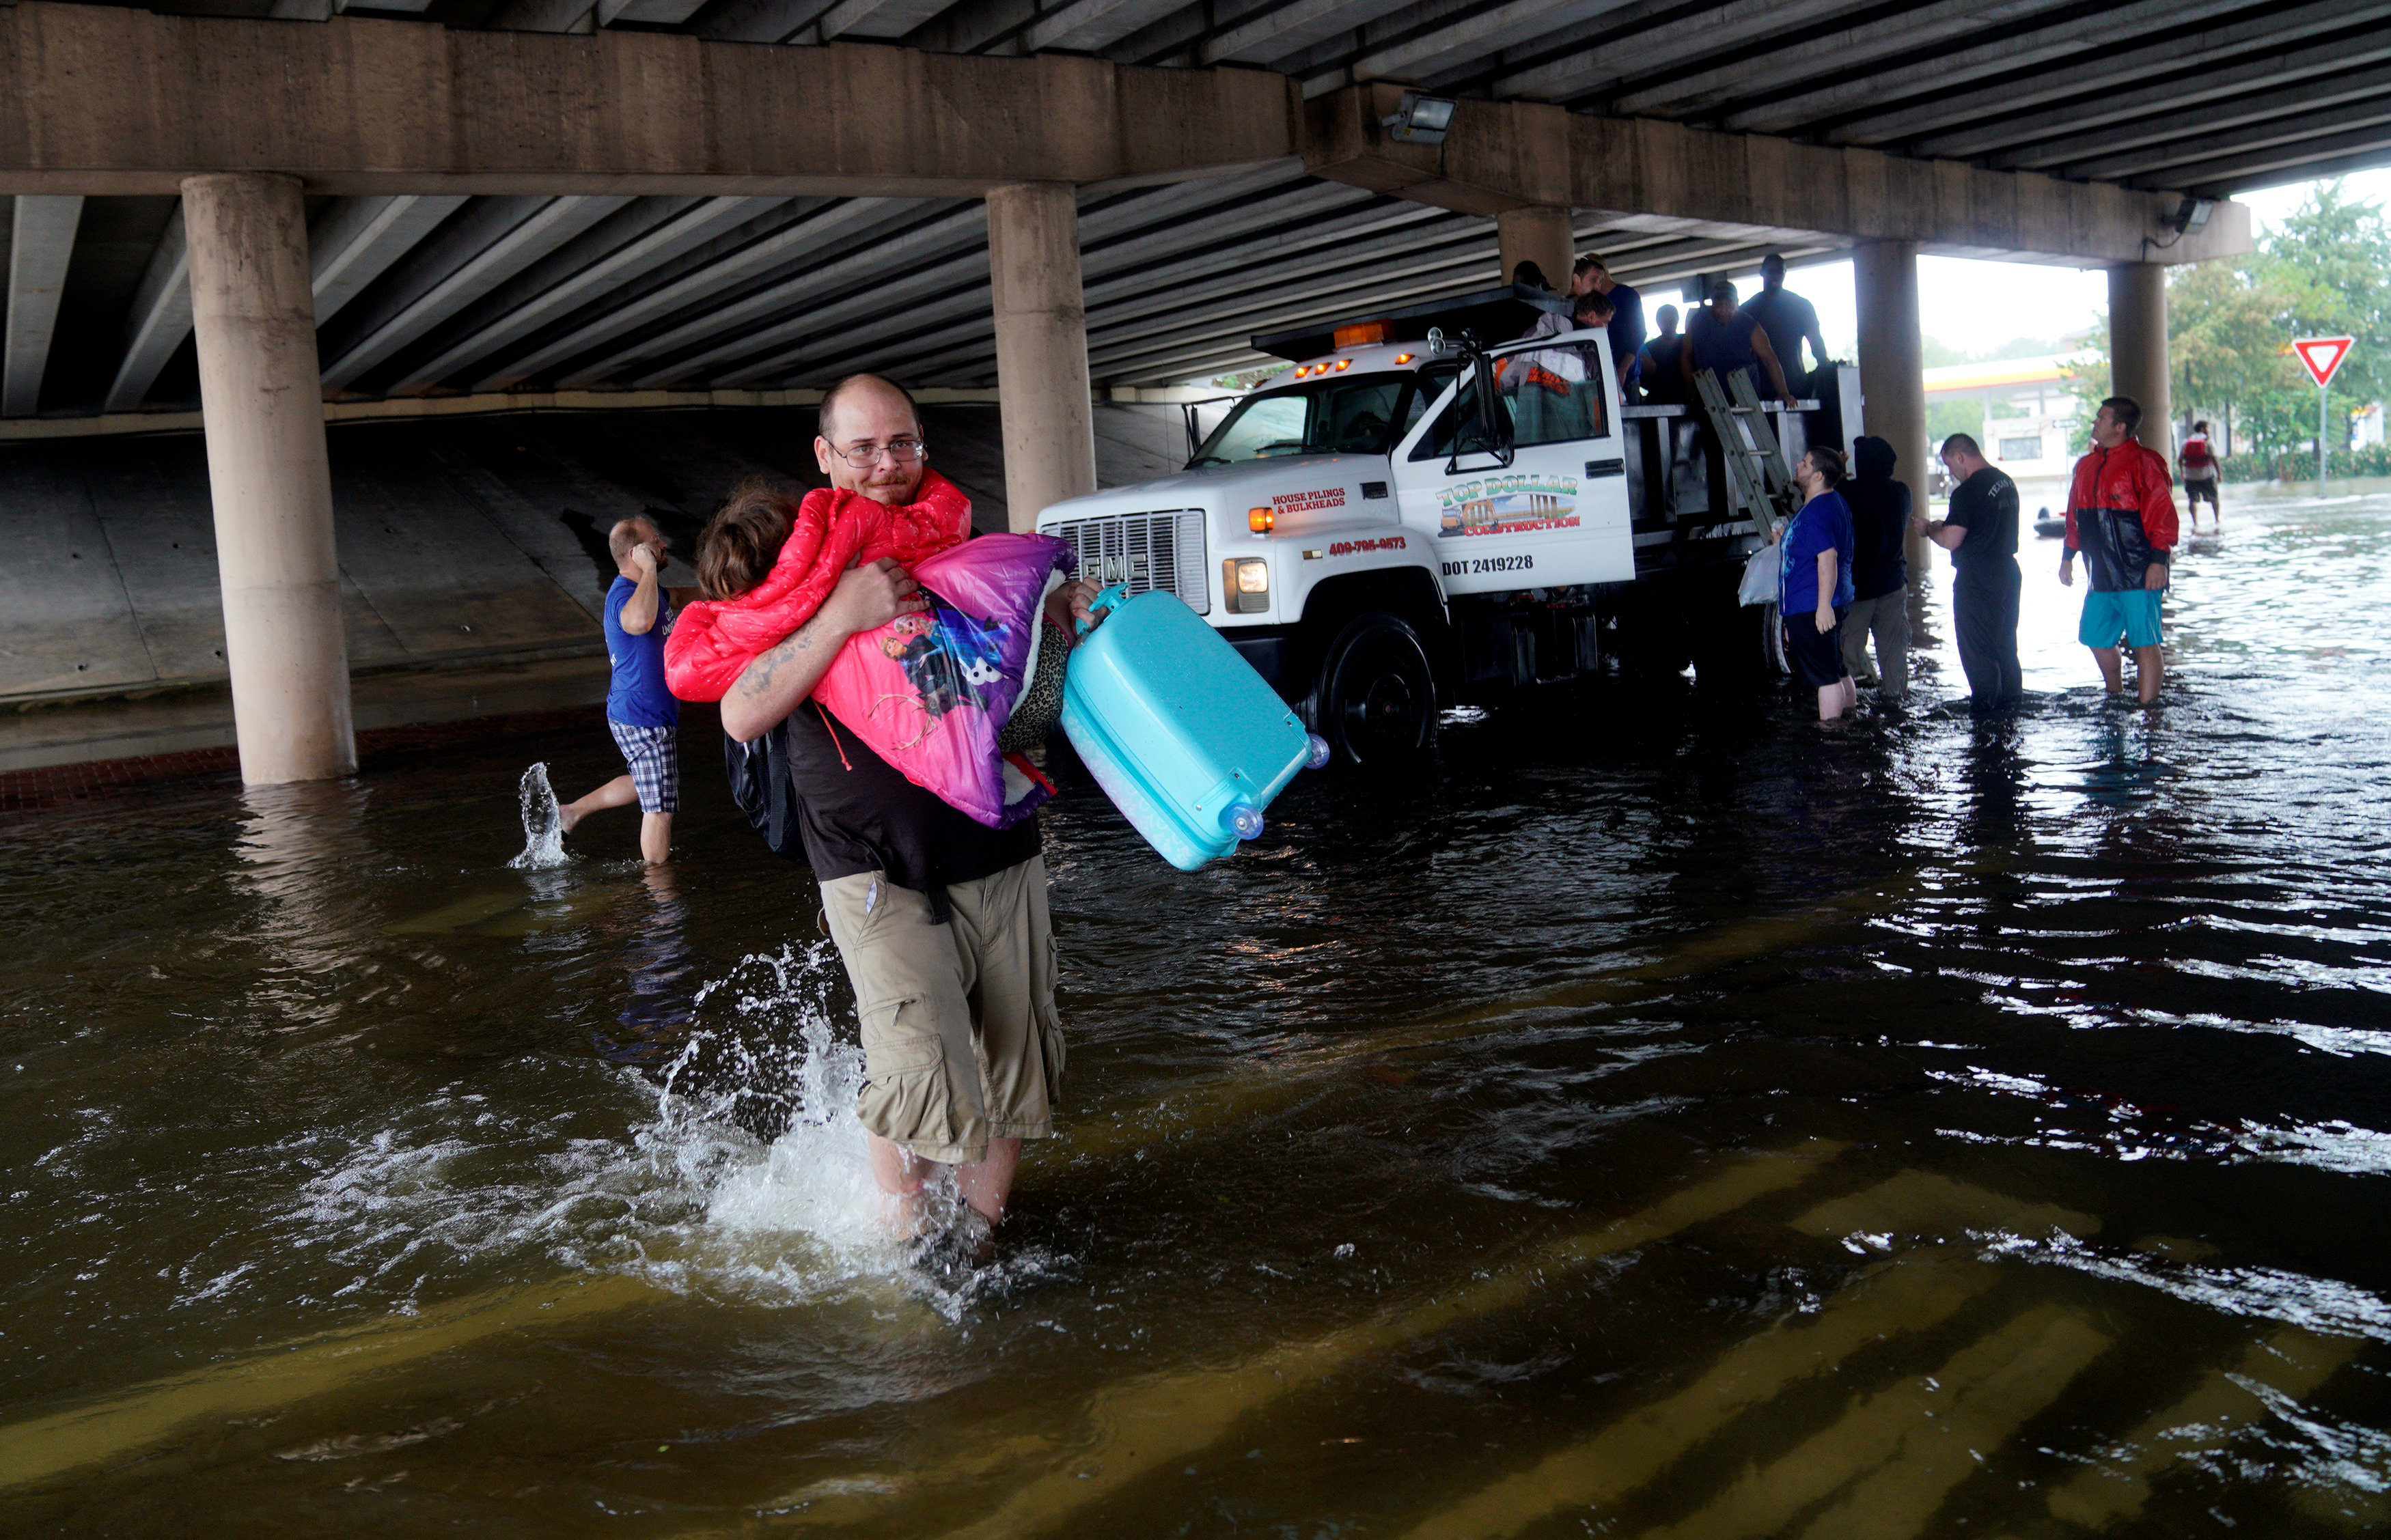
{"x": 2197, "y": 487}
{"x": 1817, "y": 657}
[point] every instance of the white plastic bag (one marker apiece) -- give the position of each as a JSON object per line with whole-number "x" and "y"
{"x": 1759, "y": 576}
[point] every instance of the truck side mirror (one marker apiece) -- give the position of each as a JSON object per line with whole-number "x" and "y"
{"x": 1488, "y": 430}
{"x": 1494, "y": 424}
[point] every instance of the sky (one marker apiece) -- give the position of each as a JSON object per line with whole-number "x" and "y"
{"x": 1977, "y": 306}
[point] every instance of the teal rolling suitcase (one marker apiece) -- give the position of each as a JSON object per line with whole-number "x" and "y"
{"x": 1184, "y": 736}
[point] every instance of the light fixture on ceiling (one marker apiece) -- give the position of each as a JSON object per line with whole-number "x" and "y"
{"x": 2189, "y": 214}
{"x": 1419, "y": 119}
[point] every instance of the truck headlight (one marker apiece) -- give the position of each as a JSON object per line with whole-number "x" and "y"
{"x": 1245, "y": 583}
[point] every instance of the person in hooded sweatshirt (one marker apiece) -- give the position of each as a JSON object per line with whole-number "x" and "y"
{"x": 1880, "y": 572}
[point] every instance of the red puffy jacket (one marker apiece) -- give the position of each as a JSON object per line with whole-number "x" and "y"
{"x": 2121, "y": 514}
{"x": 713, "y": 641}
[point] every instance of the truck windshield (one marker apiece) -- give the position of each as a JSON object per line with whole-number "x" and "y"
{"x": 1345, "y": 414}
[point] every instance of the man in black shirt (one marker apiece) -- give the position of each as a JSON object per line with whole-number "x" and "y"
{"x": 940, "y": 920}
{"x": 1663, "y": 374}
{"x": 1982, "y": 535}
{"x": 1788, "y": 320}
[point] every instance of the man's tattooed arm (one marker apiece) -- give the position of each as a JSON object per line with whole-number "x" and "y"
{"x": 780, "y": 679}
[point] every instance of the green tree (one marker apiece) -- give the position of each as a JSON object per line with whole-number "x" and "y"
{"x": 2325, "y": 271}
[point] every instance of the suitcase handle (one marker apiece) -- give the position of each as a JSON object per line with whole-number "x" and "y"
{"x": 1106, "y": 599}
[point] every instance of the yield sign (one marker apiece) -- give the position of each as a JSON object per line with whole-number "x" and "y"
{"x": 2322, "y": 356}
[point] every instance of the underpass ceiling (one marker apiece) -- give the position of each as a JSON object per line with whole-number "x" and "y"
{"x": 468, "y": 294}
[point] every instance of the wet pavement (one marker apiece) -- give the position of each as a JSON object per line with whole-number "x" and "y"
{"x": 1661, "y": 1116}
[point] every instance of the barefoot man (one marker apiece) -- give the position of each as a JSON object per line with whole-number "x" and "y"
{"x": 641, "y": 712}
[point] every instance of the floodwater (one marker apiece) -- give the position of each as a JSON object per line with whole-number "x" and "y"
{"x": 1660, "y": 1117}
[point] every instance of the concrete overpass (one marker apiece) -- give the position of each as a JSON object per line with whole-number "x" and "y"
{"x": 454, "y": 200}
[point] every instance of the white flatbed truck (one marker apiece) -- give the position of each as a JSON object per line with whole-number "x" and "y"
{"x": 1402, "y": 520}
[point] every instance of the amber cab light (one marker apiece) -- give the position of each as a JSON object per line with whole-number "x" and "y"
{"x": 1260, "y": 521}
{"x": 1404, "y": 358}
{"x": 1343, "y": 365}
{"x": 1363, "y": 333}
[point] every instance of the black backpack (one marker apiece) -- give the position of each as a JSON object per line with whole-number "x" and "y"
{"x": 760, "y": 785}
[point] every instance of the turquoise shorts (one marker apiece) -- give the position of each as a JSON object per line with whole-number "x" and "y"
{"x": 2133, "y": 614}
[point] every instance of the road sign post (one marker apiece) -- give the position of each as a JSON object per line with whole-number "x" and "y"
{"x": 2320, "y": 356}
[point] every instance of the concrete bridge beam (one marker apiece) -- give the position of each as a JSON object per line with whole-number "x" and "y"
{"x": 268, "y": 477}
{"x": 1540, "y": 234}
{"x": 1892, "y": 367}
{"x": 2137, "y": 348}
{"x": 1041, "y": 348}
{"x": 1506, "y": 155}
{"x": 41, "y": 239}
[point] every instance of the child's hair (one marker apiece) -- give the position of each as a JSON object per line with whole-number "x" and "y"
{"x": 745, "y": 534}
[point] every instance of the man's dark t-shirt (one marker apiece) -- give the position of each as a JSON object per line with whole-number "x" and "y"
{"x": 1661, "y": 364}
{"x": 1985, "y": 504}
{"x": 859, "y": 814}
{"x": 1627, "y": 330}
{"x": 1724, "y": 346}
{"x": 1787, "y": 318}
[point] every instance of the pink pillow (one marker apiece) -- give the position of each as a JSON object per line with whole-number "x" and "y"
{"x": 930, "y": 692}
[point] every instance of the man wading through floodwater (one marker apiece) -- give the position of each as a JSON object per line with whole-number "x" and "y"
{"x": 940, "y": 920}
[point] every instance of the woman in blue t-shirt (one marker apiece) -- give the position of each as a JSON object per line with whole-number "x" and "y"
{"x": 1815, "y": 582}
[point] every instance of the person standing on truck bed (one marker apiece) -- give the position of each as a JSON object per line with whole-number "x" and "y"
{"x": 2121, "y": 515}
{"x": 1591, "y": 276}
{"x": 1663, "y": 373}
{"x": 1982, "y": 535}
{"x": 1880, "y": 570}
{"x": 1815, "y": 582}
{"x": 1787, "y": 320}
{"x": 940, "y": 920}
{"x": 1722, "y": 339}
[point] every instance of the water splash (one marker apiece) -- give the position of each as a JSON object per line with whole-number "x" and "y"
{"x": 543, "y": 824}
{"x": 740, "y": 1172}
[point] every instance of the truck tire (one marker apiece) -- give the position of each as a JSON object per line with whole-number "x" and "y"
{"x": 1374, "y": 699}
{"x": 1773, "y": 665}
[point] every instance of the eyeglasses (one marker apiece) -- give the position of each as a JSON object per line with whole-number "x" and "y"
{"x": 863, "y": 457}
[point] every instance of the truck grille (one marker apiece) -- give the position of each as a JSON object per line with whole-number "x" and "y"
{"x": 1144, "y": 550}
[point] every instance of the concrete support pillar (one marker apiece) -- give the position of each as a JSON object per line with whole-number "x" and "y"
{"x": 2137, "y": 348}
{"x": 1541, "y": 235}
{"x": 1892, "y": 367}
{"x": 263, "y": 400}
{"x": 1041, "y": 348}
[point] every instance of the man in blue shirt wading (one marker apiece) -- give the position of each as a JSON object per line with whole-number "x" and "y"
{"x": 1815, "y": 582}
{"x": 642, "y": 713}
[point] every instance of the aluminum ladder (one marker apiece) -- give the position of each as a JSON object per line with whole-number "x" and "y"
{"x": 1755, "y": 461}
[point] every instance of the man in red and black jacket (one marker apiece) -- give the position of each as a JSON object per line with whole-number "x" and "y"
{"x": 2121, "y": 515}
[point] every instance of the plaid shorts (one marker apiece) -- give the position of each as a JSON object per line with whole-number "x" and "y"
{"x": 653, "y": 754}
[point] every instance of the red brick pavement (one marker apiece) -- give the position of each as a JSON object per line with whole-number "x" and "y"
{"x": 54, "y": 786}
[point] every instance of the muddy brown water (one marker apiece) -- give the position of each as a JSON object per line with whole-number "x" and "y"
{"x": 1656, "y": 1117}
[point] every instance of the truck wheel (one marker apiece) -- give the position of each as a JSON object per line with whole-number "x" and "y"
{"x": 1774, "y": 664}
{"x": 1376, "y": 699}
